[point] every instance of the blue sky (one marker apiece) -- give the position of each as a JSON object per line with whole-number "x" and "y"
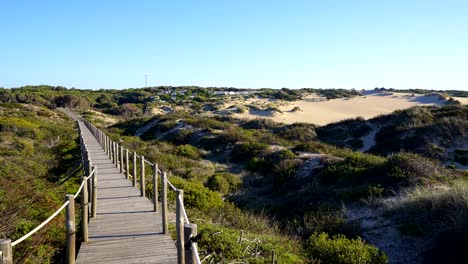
{"x": 253, "y": 44}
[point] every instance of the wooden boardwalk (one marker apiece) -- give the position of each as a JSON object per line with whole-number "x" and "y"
{"x": 126, "y": 229}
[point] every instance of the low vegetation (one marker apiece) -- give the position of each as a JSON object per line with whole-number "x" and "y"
{"x": 285, "y": 186}
{"x": 40, "y": 164}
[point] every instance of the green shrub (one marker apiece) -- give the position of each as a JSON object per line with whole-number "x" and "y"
{"x": 248, "y": 150}
{"x": 196, "y": 195}
{"x": 223, "y": 245}
{"x": 340, "y": 249}
{"x": 257, "y": 164}
{"x": 233, "y": 181}
{"x": 285, "y": 170}
{"x": 299, "y": 131}
{"x": 234, "y": 135}
{"x": 410, "y": 168}
{"x": 187, "y": 151}
{"x": 218, "y": 183}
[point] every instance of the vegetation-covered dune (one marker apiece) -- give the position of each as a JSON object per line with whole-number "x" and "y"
{"x": 365, "y": 189}
{"x": 39, "y": 160}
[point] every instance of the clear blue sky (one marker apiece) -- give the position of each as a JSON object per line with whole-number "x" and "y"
{"x": 241, "y": 43}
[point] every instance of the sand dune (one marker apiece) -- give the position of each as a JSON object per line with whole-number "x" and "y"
{"x": 325, "y": 112}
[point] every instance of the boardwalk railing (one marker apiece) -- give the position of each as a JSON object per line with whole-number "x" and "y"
{"x": 187, "y": 251}
{"x": 87, "y": 191}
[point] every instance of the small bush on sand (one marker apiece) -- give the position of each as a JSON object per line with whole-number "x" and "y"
{"x": 340, "y": 249}
{"x": 248, "y": 150}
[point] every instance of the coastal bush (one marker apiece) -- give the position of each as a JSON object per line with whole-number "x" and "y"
{"x": 261, "y": 164}
{"x": 285, "y": 170}
{"x": 187, "y": 151}
{"x": 248, "y": 150}
{"x": 217, "y": 183}
{"x": 339, "y": 249}
{"x": 260, "y": 123}
{"x": 410, "y": 168}
{"x": 224, "y": 246}
{"x": 196, "y": 195}
{"x": 299, "y": 131}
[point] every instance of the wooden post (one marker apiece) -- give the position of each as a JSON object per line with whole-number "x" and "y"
{"x": 7, "y": 252}
{"x": 190, "y": 231}
{"x": 240, "y": 237}
{"x": 155, "y": 187}
{"x": 90, "y": 186}
{"x": 95, "y": 183}
{"x": 142, "y": 177}
{"x": 116, "y": 155}
{"x": 84, "y": 210}
{"x": 164, "y": 202}
{"x": 114, "y": 147}
{"x": 121, "y": 160}
{"x": 273, "y": 256}
{"x": 127, "y": 169}
{"x": 134, "y": 168}
{"x": 108, "y": 145}
{"x": 111, "y": 150}
{"x": 180, "y": 227}
{"x": 70, "y": 225}
{"x": 88, "y": 166}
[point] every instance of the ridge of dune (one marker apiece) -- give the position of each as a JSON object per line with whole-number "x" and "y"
{"x": 322, "y": 112}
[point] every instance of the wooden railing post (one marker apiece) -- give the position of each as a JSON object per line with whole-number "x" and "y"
{"x": 190, "y": 231}
{"x": 84, "y": 209}
{"x": 7, "y": 252}
{"x": 142, "y": 177}
{"x": 70, "y": 226}
{"x": 90, "y": 186}
{"x": 116, "y": 155}
{"x": 121, "y": 159}
{"x": 108, "y": 147}
{"x": 114, "y": 160}
{"x": 127, "y": 169}
{"x": 95, "y": 185}
{"x": 105, "y": 143}
{"x": 164, "y": 202}
{"x": 180, "y": 227}
{"x": 86, "y": 165}
{"x": 134, "y": 168}
{"x": 155, "y": 187}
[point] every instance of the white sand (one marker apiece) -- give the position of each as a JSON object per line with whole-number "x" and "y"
{"x": 325, "y": 112}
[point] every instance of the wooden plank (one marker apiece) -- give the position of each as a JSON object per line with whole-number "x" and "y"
{"x": 126, "y": 229}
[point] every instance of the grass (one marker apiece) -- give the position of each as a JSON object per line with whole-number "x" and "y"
{"x": 441, "y": 213}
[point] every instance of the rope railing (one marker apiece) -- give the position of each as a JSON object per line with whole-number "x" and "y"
{"x": 30, "y": 233}
{"x": 183, "y": 210}
{"x": 79, "y": 190}
{"x": 6, "y": 253}
{"x": 122, "y": 158}
{"x": 170, "y": 184}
